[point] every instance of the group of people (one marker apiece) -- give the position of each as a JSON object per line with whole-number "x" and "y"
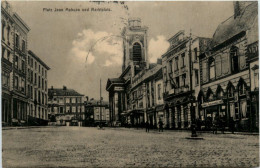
{"x": 147, "y": 126}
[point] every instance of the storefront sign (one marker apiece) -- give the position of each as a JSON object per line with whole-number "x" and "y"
{"x": 212, "y": 103}
{"x": 117, "y": 88}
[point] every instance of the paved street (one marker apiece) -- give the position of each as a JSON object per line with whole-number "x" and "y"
{"x": 122, "y": 147}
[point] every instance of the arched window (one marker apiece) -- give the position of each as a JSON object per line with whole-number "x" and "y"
{"x": 211, "y": 68}
{"x": 241, "y": 87}
{"x": 220, "y": 92}
{"x": 137, "y": 52}
{"x": 234, "y": 59}
{"x": 230, "y": 90}
{"x": 210, "y": 95}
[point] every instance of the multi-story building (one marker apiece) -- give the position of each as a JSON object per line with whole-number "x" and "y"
{"x": 37, "y": 91}
{"x": 134, "y": 60}
{"x": 96, "y": 113}
{"x": 7, "y": 47}
{"x": 225, "y": 70}
{"x": 14, "y": 55}
{"x": 66, "y": 106}
{"x": 181, "y": 79}
{"x": 147, "y": 97}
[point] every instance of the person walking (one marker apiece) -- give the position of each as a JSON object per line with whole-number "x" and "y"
{"x": 147, "y": 126}
{"x": 160, "y": 126}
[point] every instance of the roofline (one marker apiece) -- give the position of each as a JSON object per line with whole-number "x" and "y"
{"x": 124, "y": 72}
{"x": 7, "y": 13}
{"x": 22, "y": 22}
{"x": 175, "y": 35}
{"x": 37, "y": 58}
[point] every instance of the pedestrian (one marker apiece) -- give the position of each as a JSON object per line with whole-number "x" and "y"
{"x": 232, "y": 124}
{"x": 147, "y": 126}
{"x": 160, "y": 126}
{"x": 215, "y": 126}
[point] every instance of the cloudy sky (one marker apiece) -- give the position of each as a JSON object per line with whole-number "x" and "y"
{"x": 64, "y": 39}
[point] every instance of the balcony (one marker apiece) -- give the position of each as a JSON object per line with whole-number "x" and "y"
{"x": 182, "y": 89}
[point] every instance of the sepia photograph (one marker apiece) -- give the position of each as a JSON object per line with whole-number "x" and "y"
{"x": 129, "y": 84}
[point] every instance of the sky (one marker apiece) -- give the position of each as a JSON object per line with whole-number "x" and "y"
{"x": 81, "y": 47}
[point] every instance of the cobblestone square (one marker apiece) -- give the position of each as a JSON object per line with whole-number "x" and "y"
{"x": 122, "y": 147}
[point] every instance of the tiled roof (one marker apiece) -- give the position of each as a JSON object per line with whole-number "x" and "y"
{"x": 63, "y": 92}
{"x": 232, "y": 26}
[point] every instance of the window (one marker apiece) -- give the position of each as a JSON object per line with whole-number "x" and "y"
{"x": 39, "y": 96}
{"x": 184, "y": 80}
{"x": 231, "y": 92}
{"x": 23, "y": 46}
{"x": 159, "y": 92}
{"x": 3, "y": 30}
{"x": 256, "y": 78}
{"x": 196, "y": 77}
{"x": 243, "y": 109}
{"x": 8, "y": 55}
{"x": 183, "y": 59}
{"x": 42, "y": 98}
{"x": 39, "y": 82}
{"x": 45, "y": 86}
{"x": 5, "y": 79}
{"x": 42, "y": 84}
{"x": 170, "y": 66}
{"x": 220, "y": 93}
{"x": 67, "y": 100}
{"x": 195, "y": 54}
{"x": 16, "y": 82}
{"x": 177, "y": 81}
{"x": 31, "y": 77}
{"x": 176, "y": 63}
{"x": 35, "y": 78}
{"x": 73, "y": 109}
{"x": 8, "y": 35}
{"x": 3, "y": 52}
{"x": 211, "y": 69}
{"x": 45, "y": 73}
{"x": 17, "y": 41}
{"x": 22, "y": 85}
{"x": 39, "y": 69}
{"x": 234, "y": 59}
{"x": 16, "y": 62}
{"x": 242, "y": 89}
{"x": 137, "y": 52}
{"x": 35, "y": 65}
{"x": 23, "y": 66}
{"x": 210, "y": 95}
{"x": 42, "y": 72}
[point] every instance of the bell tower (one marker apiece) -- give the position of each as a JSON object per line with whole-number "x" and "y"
{"x": 135, "y": 45}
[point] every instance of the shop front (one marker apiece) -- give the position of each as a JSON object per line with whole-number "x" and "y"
{"x": 213, "y": 111}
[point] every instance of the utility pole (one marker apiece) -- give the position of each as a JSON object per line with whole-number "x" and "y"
{"x": 100, "y": 114}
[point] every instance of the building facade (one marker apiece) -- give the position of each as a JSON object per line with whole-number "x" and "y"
{"x": 181, "y": 79}
{"x": 66, "y": 106}
{"x": 96, "y": 113}
{"x": 134, "y": 60}
{"x": 37, "y": 92}
{"x": 225, "y": 71}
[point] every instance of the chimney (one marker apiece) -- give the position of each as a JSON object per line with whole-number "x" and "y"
{"x": 239, "y": 6}
{"x": 64, "y": 88}
{"x": 159, "y": 61}
{"x": 87, "y": 98}
{"x": 51, "y": 87}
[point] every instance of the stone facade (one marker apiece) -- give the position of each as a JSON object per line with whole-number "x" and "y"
{"x": 66, "y": 106}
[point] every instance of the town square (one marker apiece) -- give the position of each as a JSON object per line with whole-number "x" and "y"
{"x": 130, "y": 84}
